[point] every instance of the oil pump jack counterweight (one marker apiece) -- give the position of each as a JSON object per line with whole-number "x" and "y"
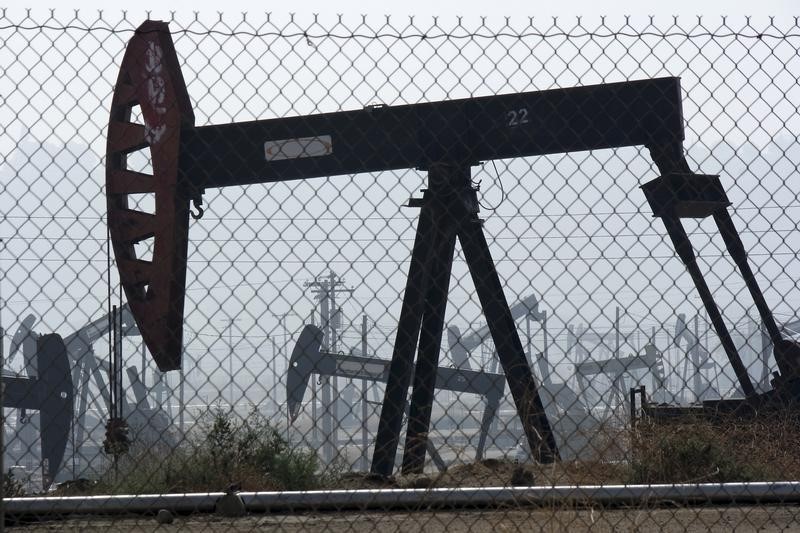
{"x": 443, "y": 138}
{"x": 50, "y": 393}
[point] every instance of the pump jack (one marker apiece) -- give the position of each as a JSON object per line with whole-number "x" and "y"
{"x": 308, "y": 359}
{"x": 443, "y": 138}
{"x": 572, "y": 419}
{"x": 50, "y": 393}
{"x": 462, "y": 345}
{"x": 696, "y": 355}
{"x": 86, "y": 366}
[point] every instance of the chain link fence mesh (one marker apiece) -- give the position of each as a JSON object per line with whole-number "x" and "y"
{"x": 601, "y": 301}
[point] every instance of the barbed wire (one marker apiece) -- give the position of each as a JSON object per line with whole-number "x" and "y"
{"x": 309, "y": 35}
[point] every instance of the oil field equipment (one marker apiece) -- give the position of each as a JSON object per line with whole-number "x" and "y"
{"x": 461, "y": 345}
{"x": 445, "y": 139}
{"x": 697, "y": 356}
{"x": 307, "y": 360}
{"x": 571, "y": 420}
{"x": 50, "y": 393}
{"x": 87, "y": 379}
{"x": 617, "y": 367}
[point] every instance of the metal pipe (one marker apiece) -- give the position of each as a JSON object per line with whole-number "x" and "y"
{"x": 396, "y": 499}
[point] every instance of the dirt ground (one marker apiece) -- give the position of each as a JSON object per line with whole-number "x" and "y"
{"x": 722, "y": 519}
{"x": 493, "y": 473}
{"x": 488, "y": 473}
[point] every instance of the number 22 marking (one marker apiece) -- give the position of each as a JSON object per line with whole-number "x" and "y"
{"x": 517, "y": 117}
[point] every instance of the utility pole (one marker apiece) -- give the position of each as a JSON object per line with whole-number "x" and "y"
{"x": 364, "y": 407}
{"x": 325, "y": 289}
{"x": 182, "y": 399}
{"x": 230, "y": 322}
{"x": 230, "y": 363}
{"x": 278, "y": 352}
{"x": 284, "y": 331}
{"x": 620, "y": 383}
{"x": 529, "y": 339}
{"x": 143, "y": 377}
{"x": 271, "y": 342}
{"x": 698, "y": 377}
{"x": 546, "y": 376}
{"x": 2, "y": 410}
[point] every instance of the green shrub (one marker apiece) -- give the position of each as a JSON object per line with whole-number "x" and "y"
{"x": 220, "y": 451}
{"x": 12, "y": 487}
{"x": 692, "y": 452}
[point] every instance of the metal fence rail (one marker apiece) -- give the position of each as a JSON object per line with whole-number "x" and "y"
{"x": 264, "y": 252}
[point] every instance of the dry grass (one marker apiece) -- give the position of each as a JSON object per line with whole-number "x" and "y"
{"x": 693, "y": 450}
{"x": 253, "y": 456}
{"x": 220, "y": 452}
{"x": 724, "y": 450}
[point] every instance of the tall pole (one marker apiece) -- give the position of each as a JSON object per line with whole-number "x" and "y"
{"x": 143, "y": 378}
{"x": 528, "y": 335}
{"x": 325, "y": 289}
{"x": 277, "y": 352}
{"x": 698, "y": 381}
{"x": 546, "y": 377}
{"x": 335, "y": 317}
{"x": 230, "y": 322}
{"x": 364, "y": 413}
{"x": 617, "y": 384}
{"x": 230, "y": 363}
{"x": 2, "y": 409}
{"x": 327, "y": 410}
{"x": 616, "y": 333}
{"x": 182, "y": 404}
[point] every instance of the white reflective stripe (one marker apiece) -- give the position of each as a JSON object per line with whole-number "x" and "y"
{"x": 358, "y": 369}
{"x": 297, "y": 148}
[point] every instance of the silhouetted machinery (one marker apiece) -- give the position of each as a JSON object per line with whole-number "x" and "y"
{"x": 307, "y": 359}
{"x": 462, "y": 345}
{"x": 445, "y": 139}
{"x": 697, "y": 356}
{"x": 616, "y": 368}
{"x": 572, "y": 422}
{"x": 84, "y": 366}
{"x": 49, "y": 375}
{"x": 48, "y": 391}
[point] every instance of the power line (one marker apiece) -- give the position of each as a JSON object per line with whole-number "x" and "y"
{"x": 411, "y": 239}
{"x": 384, "y": 260}
{"x": 399, "y": 218}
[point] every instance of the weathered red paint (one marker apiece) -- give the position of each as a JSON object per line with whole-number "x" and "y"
{"x": 150, "y": 77}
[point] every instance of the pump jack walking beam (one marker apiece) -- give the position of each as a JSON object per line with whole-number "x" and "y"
{"x": 443, "y": 138}
{"x": 307, "y": 359}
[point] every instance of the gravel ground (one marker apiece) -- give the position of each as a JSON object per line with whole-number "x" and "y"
{"x": 695, "y": 519}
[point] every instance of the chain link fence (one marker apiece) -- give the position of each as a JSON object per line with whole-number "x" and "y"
{"x": 320, "y": 262}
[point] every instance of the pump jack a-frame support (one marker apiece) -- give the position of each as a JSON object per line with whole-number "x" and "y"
{"x": 449, "y": 209}
{"x": 443, "y": 138}
{"x": 308, "y": 359}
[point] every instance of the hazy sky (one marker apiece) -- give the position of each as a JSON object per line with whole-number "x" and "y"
{"x": 582, "y": 268}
